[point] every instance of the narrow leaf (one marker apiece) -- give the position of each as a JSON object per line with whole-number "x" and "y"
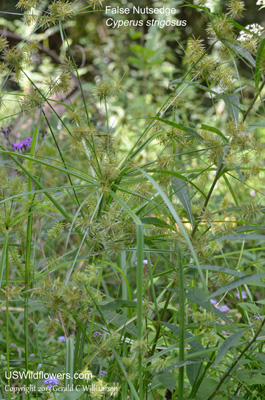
{"x": 228, "y": 343}
{"x": 219, "y": 269}
{"x": 260, "y": 59}
{"x": 214, "y": 130}
{"x": 232, "y": 104}
{"x": 126, "y": 208}
{"x": 181, "y": 189}
{"x": 194, "y": 371}
{"x": 241, "y": 281}
{"x": 205, "y": 304}
{"x": 241, "y": 236}
{"x": 180, "y": 224}
{"x": 156, "y": 221}
{"x": 244, "y": 54}
{"x": 184, "y": 128}
{"x": 194, "y": 343}
{"x": 167, "y": 379}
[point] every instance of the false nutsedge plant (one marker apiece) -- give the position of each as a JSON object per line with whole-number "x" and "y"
{"x": 132, "y": 201}
{"x": 236, "y": 8}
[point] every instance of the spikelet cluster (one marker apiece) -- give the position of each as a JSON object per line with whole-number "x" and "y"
{"x": 236, "y": 8}
{"x": 56, "y": 231}
{"x": 251, "y": 212}
{"x": 27, "y": 4}
{"x": 60, "y": 11}
{"x": 30, "y": 101}
{"x": 221, "y": 29}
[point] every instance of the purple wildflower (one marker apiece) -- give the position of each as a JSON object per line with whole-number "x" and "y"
{"x": 13, "y": 345}
{"x": 257, "y": 317}
{"x": 26, "y": 143}
{"x": 145, "y": 262}
{"x": 51, "y": 382}
{"x": 6, "y": 131}
{"x": 17, "y": 146}
{"x": 223, "y": 308}
{"x": 61, "y": 339}
{"x": 212, "y": 301}
{"x": 96, "y": 334}
{"x": 244, "y": 295}
{"x": 31, "y": 355}
{"x": 102, "y": 373}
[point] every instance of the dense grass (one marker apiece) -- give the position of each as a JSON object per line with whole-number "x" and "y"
{"x": 132, "y": 248}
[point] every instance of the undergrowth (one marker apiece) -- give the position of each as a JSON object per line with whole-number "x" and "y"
{"x": 132, "y": 256}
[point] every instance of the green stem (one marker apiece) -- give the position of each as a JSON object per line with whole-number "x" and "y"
{"x": 76, "y": 70}
{"x": 28, "y": 249}
{"x": 139, "y": 283}
{"x": 159, "y": 325}
{"x": 27, "y": 287}
{"x": 61, "y": 156}
{"x": 253, "y": 101}
{"x": 107, "y": 118}
{"x": 181, "y": 324}
{"x": 217, "y": 176}
{"x": 5, "y": 259}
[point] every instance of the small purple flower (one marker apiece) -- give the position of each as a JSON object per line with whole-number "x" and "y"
{"x": 145, "y": 262}
{"x": 31, "y": 355}
{"x": 61, "y": 339}
{"x": 17, "y": 146}
{"x": 102, "y": 373}
{"x": 96, "y": 334}
{"x": 253, "y": 193}
{"x": 13, "y": 345}
{"x": 257, "y": 317}
{"x": 51, "y": 382}
{"x": 223, "y": 308}
{"x": 6, "y": 131}
{"x": 212, "y": 301}
{"x": 26, "y": 143}
{"x": 244, "y": 295}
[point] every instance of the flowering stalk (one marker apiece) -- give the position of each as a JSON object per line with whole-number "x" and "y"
{"x": 254, "y": 101}
{"x": 217, "y": 176}
{"x": 107, "y": 119}
{"x": 5, "y": 261}
{"x": 139, "y": 281}
{"x": 27, "y": 285}
{"x": 28, "y": 250}
{"x": 181, "y": 324}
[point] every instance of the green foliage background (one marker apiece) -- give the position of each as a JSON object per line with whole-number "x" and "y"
{"x": 139, "y": 200}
